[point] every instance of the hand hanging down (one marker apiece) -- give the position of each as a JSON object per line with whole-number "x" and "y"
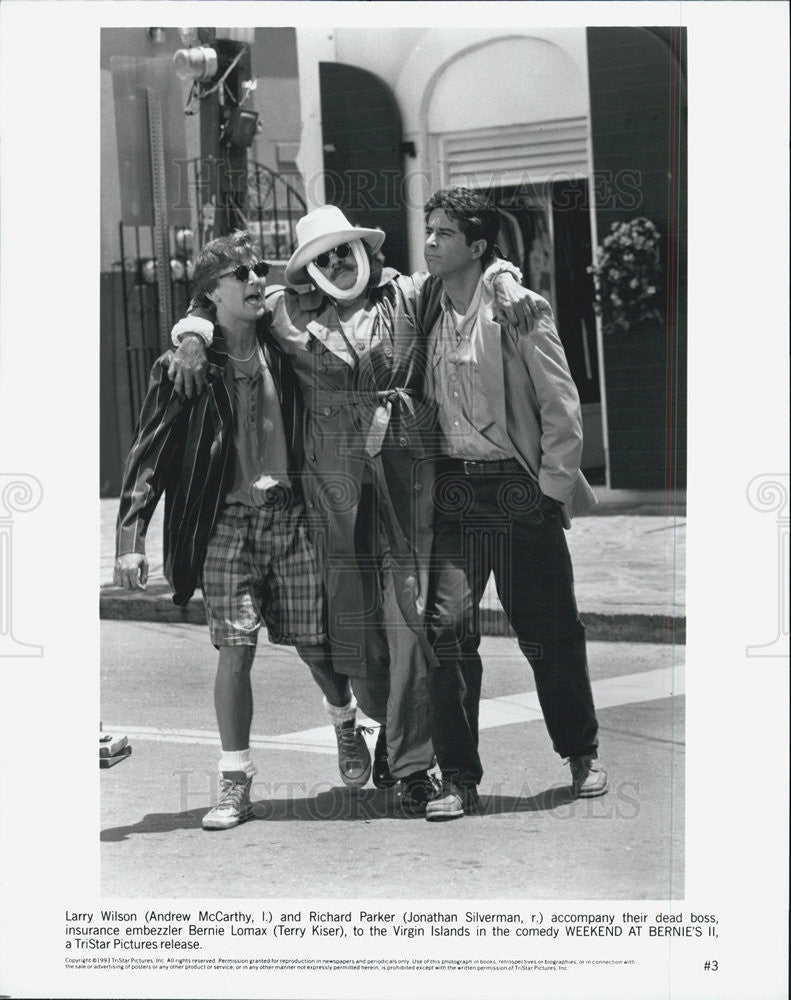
{"x": 131, "y": 571}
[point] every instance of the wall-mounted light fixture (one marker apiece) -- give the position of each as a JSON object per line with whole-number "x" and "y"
{"x": 198, "y": 63}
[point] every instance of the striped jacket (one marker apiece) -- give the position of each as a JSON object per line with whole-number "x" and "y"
{"x": 183, "y": 447}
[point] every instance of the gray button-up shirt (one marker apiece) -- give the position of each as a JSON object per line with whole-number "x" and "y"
{"x": 465, "y": 418}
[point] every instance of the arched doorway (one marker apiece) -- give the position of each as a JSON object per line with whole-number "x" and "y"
{"x": 522, "y": 135}
{"x": 363, "y": 154}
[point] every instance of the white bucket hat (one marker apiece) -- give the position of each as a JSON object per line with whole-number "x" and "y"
{"x": 320, "y": 231}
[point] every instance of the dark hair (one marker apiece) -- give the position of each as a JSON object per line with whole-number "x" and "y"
{"x": 220, "y": 255}
{"x": 475, "y": 215}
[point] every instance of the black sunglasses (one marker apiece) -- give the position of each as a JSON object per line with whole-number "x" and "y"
{"x": 341, "y": 251}
{"x": 242, "y": 273}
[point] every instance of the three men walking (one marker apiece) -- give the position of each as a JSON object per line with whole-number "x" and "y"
{"x": 420, "y": 402}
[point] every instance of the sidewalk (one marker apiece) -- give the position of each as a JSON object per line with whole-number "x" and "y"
{"x": 629, "y": 570}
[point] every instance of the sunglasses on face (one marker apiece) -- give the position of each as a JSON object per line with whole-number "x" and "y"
{"x": 341, "y": 251}
{"x": 242, "y": 273}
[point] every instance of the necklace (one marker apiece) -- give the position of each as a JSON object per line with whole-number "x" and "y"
{"x": 242, "y": 360}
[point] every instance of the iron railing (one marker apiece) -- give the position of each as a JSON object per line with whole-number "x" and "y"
{"x": 272, "y": 206}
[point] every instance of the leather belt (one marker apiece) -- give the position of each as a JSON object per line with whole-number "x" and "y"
{"x": 468, "y": 467}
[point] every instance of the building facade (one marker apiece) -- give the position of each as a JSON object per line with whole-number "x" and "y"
{"x": 567, "y": 130}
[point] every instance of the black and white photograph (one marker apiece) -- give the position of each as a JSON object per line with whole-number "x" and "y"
{"x": 368, "y": 492}
{"x": 390, "y": 347}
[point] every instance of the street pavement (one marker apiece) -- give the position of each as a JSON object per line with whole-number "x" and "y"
{"x": 313, "y": 838}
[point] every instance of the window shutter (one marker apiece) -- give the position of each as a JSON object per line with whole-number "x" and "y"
{"x": 516, "y": 154}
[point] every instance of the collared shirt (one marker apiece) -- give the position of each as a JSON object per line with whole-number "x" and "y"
{"x": 259, "y": 437}
{"x": 346, "y": 339}
{"x": 465, "y": 418}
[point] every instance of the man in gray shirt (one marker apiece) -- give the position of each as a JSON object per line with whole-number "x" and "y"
{"x": 508, "y": 482}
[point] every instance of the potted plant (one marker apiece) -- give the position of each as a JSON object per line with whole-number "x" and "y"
{"x": 626, "y": 272}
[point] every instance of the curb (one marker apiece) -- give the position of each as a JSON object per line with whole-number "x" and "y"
{"x": 628, "y": 626}
{"x": 156, "y": 605}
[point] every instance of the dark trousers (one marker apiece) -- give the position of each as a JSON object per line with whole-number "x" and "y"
{"x": 500, "y": 524}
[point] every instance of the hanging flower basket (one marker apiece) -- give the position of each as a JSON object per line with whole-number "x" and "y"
{"x": 627, "y": 272}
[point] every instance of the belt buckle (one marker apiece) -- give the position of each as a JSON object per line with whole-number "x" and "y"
{"x": 468, "y": 465}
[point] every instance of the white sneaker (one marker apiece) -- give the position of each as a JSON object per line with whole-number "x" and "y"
{"x": 233, "y": 805}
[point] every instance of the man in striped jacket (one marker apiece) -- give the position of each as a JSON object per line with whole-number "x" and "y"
{"x": 228, "y": 462}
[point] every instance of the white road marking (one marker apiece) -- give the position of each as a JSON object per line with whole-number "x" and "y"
{"x": 509, "y": 710}
{"x": 647, "y": 686}
{"x": 319, "y": 740}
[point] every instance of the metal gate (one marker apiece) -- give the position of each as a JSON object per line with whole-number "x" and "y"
{"x": 273, "y": 206}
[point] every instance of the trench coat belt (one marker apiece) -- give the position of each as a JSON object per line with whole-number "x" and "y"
{"x": 383, "y": 398}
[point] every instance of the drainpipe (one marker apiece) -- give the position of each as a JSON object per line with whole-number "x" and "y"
{"x": 599, "y": 329}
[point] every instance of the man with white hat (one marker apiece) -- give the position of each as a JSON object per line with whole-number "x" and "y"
{"x": 356, "y": 344}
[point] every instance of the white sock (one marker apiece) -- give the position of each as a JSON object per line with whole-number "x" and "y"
{"x": 237, "y": 760}
{"x": 344, "y": 713}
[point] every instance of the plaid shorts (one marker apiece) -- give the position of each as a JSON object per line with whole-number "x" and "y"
{"x": 260, "y": 567}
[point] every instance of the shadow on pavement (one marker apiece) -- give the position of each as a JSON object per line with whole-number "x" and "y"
{"x": 155, "y": 823}
{"x": 551, "y": 798}
{"x": 336, "y": 804}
